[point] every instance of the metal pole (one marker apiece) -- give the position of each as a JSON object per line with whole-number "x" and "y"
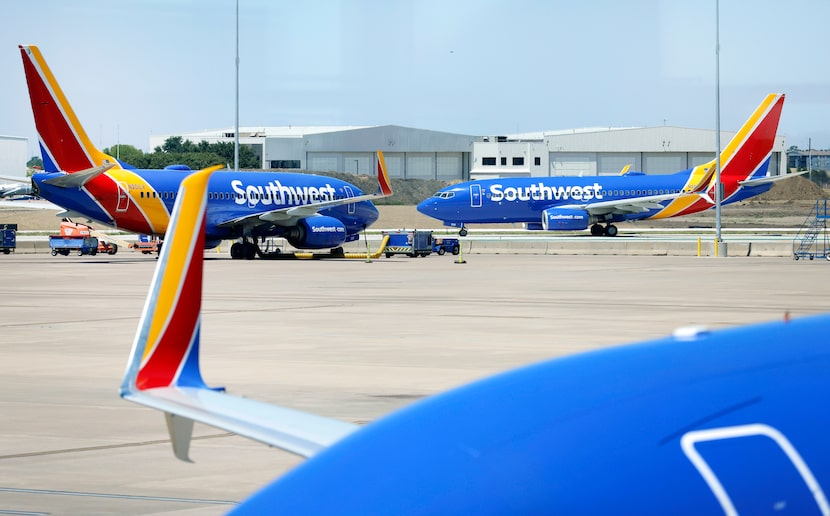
{"x": 718, "y": 191}
{"x": 236, "y": 120}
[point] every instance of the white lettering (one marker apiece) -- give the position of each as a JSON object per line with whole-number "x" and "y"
{"x": 540, "y": 192}
{"x": 276, "y": 193}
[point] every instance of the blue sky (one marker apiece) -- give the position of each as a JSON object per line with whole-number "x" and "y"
{"x": 132, "y": 68}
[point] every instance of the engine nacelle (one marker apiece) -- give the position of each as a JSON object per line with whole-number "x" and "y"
{"x": 319, "y": 232}
{"x": 564, "y": 219}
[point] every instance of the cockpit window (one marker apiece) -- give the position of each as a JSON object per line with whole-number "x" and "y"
{"x": 445, "y": 195}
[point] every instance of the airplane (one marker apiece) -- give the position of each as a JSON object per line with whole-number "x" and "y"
{"x": 575, "y": 203}
{"x": 697, "y": 423}
{"x": 309, "y": 211}
{"x": 16, "y": 186}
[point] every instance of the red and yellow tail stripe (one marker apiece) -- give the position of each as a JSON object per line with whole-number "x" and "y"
{"x": 740, "y": 159}
{"x": 384, "y": 186}
{"x": 166, "y": 349}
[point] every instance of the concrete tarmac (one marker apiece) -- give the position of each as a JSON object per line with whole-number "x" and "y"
{"x": 343, "y": 338}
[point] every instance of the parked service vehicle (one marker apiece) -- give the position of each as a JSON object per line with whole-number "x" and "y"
{"x": 443, "y": 245}
{"x": 412, "y": 243}
{"x": 75, "y": 237}
{"x": 8, "y": 238}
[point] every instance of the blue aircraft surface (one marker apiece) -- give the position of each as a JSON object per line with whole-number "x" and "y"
{"x": 309, "y": 211}
{"x": 702, "y": 422}
{"x": 575, "y": 203}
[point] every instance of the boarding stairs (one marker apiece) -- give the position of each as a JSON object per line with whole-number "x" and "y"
{"x": 812, "y": 239}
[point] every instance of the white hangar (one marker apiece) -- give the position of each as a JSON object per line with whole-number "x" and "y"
{"x": 424, "y": 154}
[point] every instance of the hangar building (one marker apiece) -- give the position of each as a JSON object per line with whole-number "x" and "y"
{"x": 424, "y": 154}
{"x": 13, "y": 156}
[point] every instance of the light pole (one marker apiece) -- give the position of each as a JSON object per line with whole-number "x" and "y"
{"x": 718, "y": 190}
{"x": 236, "y": 119}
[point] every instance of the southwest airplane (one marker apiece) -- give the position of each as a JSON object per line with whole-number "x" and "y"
{"x": 703, "y": 422}
{"x": 574, "y": 203}
{"x": 309, "y": 211}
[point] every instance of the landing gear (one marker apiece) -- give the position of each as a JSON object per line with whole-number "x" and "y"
{"x": 462, "y": 231}
{"x": 608, "y": 230}
{"x": 245, "y": 249}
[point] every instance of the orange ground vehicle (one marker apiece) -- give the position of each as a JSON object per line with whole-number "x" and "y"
{"x": 73, "y": 231}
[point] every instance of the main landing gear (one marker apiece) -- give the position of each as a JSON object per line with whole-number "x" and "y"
{"x": 608, "y": 230}
{"x": 246, "y": 249}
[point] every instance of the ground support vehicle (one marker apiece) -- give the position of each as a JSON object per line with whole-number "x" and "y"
{"x": 8, "y": 238}
{"x": 146, "y": 244}
{"x": 443, "y": 245}
{"x": 411, "y": 243}
{"x": 65, "y": 245}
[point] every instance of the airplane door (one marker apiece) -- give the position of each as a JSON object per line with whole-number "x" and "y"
{"x": 349, "y": 193}
{"x": 475, "y": 196}
{"x": 753, "y": 469}
{"x": 123, "y": 198}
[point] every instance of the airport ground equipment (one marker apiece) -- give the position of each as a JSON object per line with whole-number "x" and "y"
{"x": 8, "y": 238}
{"x": 412, "y": 243}
{"x": 65, "y": 245}
{"x": 75, "y": 230}
{"x": 443, "y": 245}
{"x": 146, "y": 244}
{"x": 811, "y": 241}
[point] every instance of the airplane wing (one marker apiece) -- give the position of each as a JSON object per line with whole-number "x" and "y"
{"x": 626, "y": 206}
{"x": 290, "y": 215}
{"x": 79, "y": 179}
{"x": 770, "y": 179}
{"x": 163, "y": 370}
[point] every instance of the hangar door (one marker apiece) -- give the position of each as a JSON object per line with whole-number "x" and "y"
{"x": 612, "y": 163}
{"x": 420, "y": 166}
{"x": 664, "y": 162}
{"x": 573, "y": 164}
{"x": 448, "y": 166}
{"x": 394, "y": 164}
{"x": 322, "y": 162}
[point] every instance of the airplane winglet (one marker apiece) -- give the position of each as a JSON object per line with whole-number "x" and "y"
{"x": 163, "y": 368}
{"x": 384, "y": 186}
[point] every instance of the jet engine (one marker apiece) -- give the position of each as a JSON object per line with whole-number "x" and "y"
{"x": 558, "y": 219}
{"x": 317, "y": 232}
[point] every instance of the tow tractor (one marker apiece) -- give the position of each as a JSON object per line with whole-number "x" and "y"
{"x": 8, "y": 238}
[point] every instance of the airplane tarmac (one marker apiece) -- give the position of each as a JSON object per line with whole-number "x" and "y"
{"x": 700, "y": 422}
{"x": 309, "y": 211}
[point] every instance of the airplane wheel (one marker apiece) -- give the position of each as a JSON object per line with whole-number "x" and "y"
{"x": 463, "y": 232}
{"x": 236, "y": 250}
{"x": 611, "y": 230}
{"x": 249, "y": 250}
{"x": 597, "y": 230}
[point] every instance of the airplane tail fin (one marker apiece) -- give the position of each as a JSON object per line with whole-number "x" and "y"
{"x": 747, "y": 156}
{"x": 64, "y": 144}
{"x": 163, "y": 369}
{"x": 384, "y": 186}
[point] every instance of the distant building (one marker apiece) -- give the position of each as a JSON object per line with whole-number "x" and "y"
{"x": 424, "y": 154}
{"x": 13, "y": 156}
{"x": 817, "y": 159}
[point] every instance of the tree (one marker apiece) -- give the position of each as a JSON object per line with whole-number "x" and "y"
{"x": 34, "y": 161}
{"x": 127, "y": 154}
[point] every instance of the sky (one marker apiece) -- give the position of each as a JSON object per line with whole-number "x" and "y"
{"x": 134, "y": 68}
